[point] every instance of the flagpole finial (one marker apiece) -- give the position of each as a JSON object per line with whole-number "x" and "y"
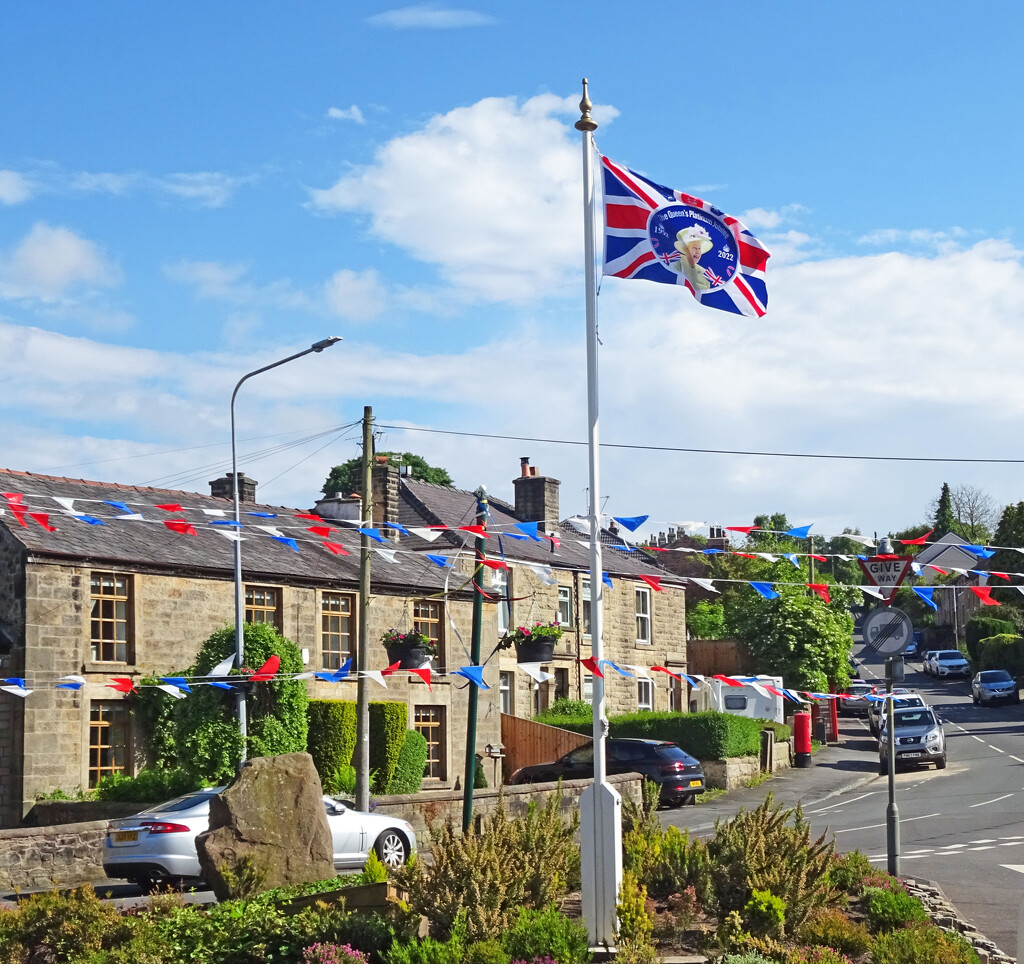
{"x": 586, "y": 122}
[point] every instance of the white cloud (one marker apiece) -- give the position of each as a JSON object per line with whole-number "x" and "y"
{"x": 355, "y": 295}
{"x": 209, "y": 188}
{"x": 105, "y": 182}
{"x": 490, "y": 194}
{"x": 941, "y": 241}
{"x": 52, "y": 263}
{"x": 430, "y": 16}
{"x": 352, "y": 113}
{"x": 217, "y": 281}
{"x": 14, "y": 187}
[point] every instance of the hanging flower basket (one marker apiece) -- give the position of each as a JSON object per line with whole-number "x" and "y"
{"x": 411, "y": 650}
{"x": 534, "y": 644}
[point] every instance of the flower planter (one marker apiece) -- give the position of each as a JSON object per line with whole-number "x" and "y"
{"x": 410, "y": 657}
{"x": 536, "y": 649}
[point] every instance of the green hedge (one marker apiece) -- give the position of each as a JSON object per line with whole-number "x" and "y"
{"x": 983, "y": 627}
{"x": 412, "y": 760}
{"x": 332, "y": 737}
{"x": 708, "y": 736}
{"x": 1005, "y": 651}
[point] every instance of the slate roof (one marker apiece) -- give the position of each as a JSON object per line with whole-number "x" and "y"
{"x": 148, "y": 543}
{"x": 425, "y": 504}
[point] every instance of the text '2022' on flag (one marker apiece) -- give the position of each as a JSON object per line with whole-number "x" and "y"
{"x": 658, "y": 234}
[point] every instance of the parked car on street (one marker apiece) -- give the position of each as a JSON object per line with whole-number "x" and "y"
{"x": 856, "y": 704}
{"x": 680, "y": 775}
{"x": 877, "y": 709}
{"x": 158, "y": 845}
{"x": 926, "y": 659}
{"x": 950, "y": 662}
{"x": 919, "y": 739}
{"x": 994, "y": 684}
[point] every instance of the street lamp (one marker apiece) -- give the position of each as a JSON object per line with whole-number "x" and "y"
{"x": 239, "y": 602}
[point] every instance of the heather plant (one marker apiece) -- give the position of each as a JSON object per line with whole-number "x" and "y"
{"x": 747, "y": 957}
{"x": 321, "y": 953}
{"x": 511, "y": 863}
{"x": 889, "y": 909}
{"x": 849, "y": 871}
{"x": 771, "y": 849}
{"x": 817, "y": 955}
{"x": 922, "y": 944}
{"x": 830, "y": 927}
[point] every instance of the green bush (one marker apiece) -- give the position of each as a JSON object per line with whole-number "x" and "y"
{"x": 771, "y": 849}
{"x": 207, "y": 737}
{"x": 487, "y": 876}
{"x": 635, "y": 924}
{"x": 849, "y": 871}
{"x": 817, "y": 955}
{"x": 922, "y": 944}
{"x": 830, "y": 927}
{"x": 147, "y": 786}
{"x": 486, "y": 952}
{"x": 765, "y": 914}
{"x": 890, "y": 908}
{"x": 412, "y": 760}
{"x": 547, "y": 933}
{"x": 331, "y": 741}
{"x": 1003, "y": 652}
{"x": 747, "y": 957}
{"x": 984, "y": 627}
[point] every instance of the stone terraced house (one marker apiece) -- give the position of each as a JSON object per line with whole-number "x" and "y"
{"x": 131, "y": 597}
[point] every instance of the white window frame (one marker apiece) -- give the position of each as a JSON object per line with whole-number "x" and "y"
{"x": 645, "y": 696}
{"x": 565, "y": 606}
{"x": 586, "y": 611}
{"x": 642, "y": 602}
{"x": 499, "y": 583}
{"x": 507, "y": 692}
{"x": 588, "y": 687}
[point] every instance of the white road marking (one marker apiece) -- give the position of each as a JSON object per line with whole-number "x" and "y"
{"x": 991, "y": 747}
{"x": 978, "y": 738}
{"x": 1017, "y": 758}
{"x": 844, "y": 803}
{"x": 975, "y": 850}
{"x": 875, "y": 826}
{"x": 1011, "y": 843}
{"x": 1017, "y": 867}
{"x": 984, "y": 840}
{"x": 987, "y": 802}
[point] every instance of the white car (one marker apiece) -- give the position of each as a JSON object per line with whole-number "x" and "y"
{"x": 159, "y": 844}
{"x": 950, "y": 662}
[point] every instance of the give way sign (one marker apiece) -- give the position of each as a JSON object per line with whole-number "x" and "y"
{"x": 886, "y": 572}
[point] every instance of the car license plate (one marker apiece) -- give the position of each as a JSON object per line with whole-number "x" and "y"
{"x": 909, "y": 756}
{"x": 124, "y": 836}
{"x": 695, "y": 783}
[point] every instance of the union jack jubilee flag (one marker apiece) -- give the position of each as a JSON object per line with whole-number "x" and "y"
{"x": 658, "y": 234}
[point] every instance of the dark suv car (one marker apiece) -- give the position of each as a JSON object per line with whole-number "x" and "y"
{"x": 679, "y": 774}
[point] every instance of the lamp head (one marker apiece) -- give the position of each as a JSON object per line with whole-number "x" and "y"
{"x": 325, "y": 343}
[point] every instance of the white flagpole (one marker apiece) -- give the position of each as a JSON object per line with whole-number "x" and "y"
{"x": 600, "y": 804}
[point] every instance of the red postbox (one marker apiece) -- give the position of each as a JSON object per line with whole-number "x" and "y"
{"x": 802, "y": 739}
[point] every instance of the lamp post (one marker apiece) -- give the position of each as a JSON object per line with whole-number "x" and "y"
{"x": 239, "y": 601}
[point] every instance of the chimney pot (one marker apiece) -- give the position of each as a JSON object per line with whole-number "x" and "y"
{"x": 524, "y": 467}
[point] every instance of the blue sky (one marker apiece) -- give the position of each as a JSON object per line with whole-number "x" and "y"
{"x": 191, "y": 192}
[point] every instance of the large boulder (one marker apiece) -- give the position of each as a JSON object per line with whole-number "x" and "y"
{"x": 268, "y": 828}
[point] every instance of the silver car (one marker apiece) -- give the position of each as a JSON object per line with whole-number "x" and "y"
{"x": 159, "y": 844}
{"x": 919, "y": 739}
{"x": 994, "y": 684}
{"x": 877, "y": 704}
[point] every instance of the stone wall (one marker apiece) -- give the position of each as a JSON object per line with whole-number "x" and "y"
{"x": 667, "y": 646}
{"x": 739, "y": 771}
{"x": 12, "y": 622}
{"x": 39, "y": 857}
{"x": 172, "y": 616}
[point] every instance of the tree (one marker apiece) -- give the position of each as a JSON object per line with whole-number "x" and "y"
{"x": 347, "y": 478}
{"x": 801, "y": 638}
{"x": 975, "y": 512}
{"x": 706, "y": 620}
{"x": 1009, "y": 532}
{"x": 944, "y": 522}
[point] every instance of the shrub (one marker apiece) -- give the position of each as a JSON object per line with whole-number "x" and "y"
{"x": 817, "y": 955}
{"x": 760, "y": 850}
{"x": 1005, "y": 651}
{"x": 849, "y": 871}
{"x": 331, "y": 737}
{"x": 765, "y": 914}
{"x": 332, "y": 954}
{"x": 388, "y": 724}
{"x": 69, "y": 924}
{"x": 889, "y": 909}
{"x": 412, "y": 759}
{"x": 635, "y": 924}
{"x": 832, "y": 928}
{"x": 984, "y": 627}
{"x": 922, "y": 944}
{"x": 747, "y": 957}
{"x": 425, "y": 951}
{"x": 486, "y": 952}
{"x": 147, "y": 786}
{"x": 547, "y": 933}
{"x": 511, "y": 863}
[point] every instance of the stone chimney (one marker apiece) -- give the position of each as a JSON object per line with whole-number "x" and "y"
{"x": 536, "y": 497}
{"x": 718, "y": 538}
{"x": 384, "y": 493}
{"x": 222, "y": 488}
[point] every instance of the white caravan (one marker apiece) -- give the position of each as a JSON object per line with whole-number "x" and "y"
{"x": 752, "y": 698}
